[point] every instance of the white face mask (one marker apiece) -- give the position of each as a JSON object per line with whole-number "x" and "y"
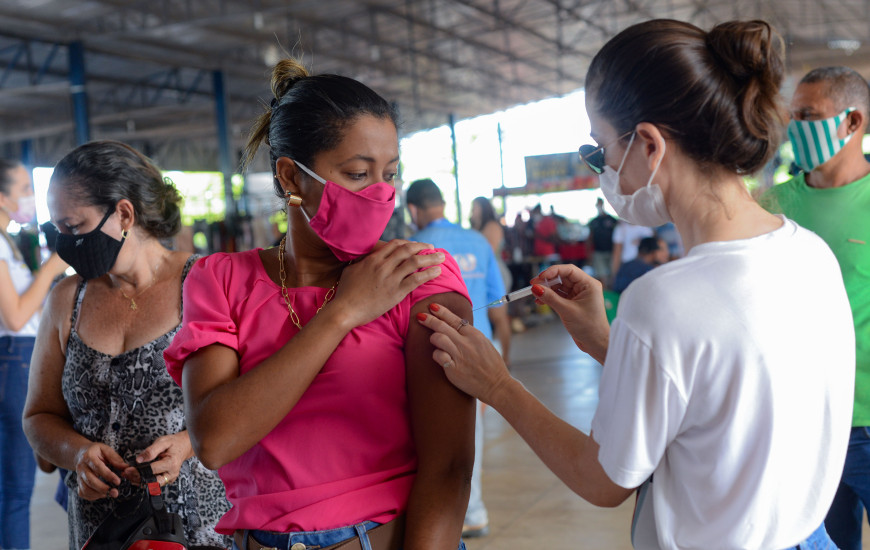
{"x": 646, "y": 206}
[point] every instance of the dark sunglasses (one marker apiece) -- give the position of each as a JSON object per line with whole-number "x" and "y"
{"x": 593, "y": 156}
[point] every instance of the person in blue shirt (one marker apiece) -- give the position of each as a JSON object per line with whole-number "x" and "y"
{"x": 483, "y": 279}
{"x": 651, "y": 251}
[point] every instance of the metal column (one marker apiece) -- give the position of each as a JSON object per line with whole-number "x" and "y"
{"x": 78, "y": 92}
{"x": 223, "y": 137}
{"x": 452, "y": 121}
{"x": 501, "y": 167}
{"x": 27, "y": 153}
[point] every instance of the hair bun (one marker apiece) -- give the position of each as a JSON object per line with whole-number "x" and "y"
{"x": 746, "y": 48}
{"x": 751, "y": 54}
{"x": 286, "y": 73}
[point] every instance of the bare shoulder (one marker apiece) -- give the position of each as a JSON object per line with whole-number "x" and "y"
{"x": 62, "y": 296}
{"x": 178, "y": 259}
{"x": 59, "y": 304}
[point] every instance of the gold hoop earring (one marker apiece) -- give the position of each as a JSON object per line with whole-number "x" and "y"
{"x": 293, "y": 200}
{"x": 124, "y": 233}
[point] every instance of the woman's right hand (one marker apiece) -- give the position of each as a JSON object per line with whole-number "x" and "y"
{"x": 96, "y": 465}
{"x": 374, "y": 285}
{"x": 579, "y": 303}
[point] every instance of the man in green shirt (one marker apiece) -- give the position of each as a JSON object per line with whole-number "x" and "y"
{"x": 830, "y": 111}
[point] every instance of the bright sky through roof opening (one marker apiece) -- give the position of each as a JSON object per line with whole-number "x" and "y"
{"x": 556, "y": 125}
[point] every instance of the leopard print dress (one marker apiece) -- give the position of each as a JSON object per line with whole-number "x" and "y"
{"x": 127, "y": 401}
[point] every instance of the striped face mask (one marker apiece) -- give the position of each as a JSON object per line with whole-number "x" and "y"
{"x": 815, "y": 142}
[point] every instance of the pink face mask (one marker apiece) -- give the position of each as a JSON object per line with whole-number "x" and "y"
{"x": 350, "y": 223}
{"x": 26, "y": 210}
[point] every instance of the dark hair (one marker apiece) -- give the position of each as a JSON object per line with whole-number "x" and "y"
{"x": 487, "y": 212}
{"x": 6, "y": 168}
{"x": 309, "y": 114}
{"x": 648, "y": 245}
{"x": 101, "y": 173}
{"x": 424, "y": 194}
{"x": 715, "y": 93}
{"x": 845, "y": 87}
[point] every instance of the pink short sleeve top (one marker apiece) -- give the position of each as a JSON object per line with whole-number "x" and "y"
{"x": 344, "y": 454}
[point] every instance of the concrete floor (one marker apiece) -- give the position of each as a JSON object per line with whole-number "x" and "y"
{"x": 528, "y": 506}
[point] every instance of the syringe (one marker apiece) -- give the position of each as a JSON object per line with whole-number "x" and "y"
{"x": 521, "y": 293}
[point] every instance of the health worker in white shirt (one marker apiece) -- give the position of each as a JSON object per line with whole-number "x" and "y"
{"x": 21, "y": 297}
{"x": 726, "y": 393}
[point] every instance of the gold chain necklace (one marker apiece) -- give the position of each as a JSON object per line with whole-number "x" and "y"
{"x": 133, "y": 305}
{"x": 294, "y": 318}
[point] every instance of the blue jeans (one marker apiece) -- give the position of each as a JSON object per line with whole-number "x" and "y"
{"x": 284, "y": 541}
{"x": 819, "y": 540}
{"x": 17, "y": 463}
{"x": 853, "y": 495}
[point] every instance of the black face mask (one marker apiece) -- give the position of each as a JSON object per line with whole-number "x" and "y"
{"x": 92, "y": 254}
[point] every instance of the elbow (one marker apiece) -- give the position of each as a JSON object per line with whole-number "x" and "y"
{"x": 602, "y": 493}
{"x": 209, "y": 451}
{"x": 213, "y": 448}
{"x": 606, "y": 501}
{"x": 456, "y": 473}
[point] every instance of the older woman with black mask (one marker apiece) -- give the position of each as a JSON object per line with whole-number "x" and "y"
{"x": 100, "y": 399}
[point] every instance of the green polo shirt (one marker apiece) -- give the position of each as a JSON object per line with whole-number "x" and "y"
{"x": 840, "y": 216}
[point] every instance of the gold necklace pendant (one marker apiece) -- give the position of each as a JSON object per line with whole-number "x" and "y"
{"x": 133, "y": 305}
{"x": 294, "y": 318}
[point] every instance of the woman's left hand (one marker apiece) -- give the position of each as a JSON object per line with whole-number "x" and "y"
{"x": 168, "y": 453}
{"x": 469, "y": 359}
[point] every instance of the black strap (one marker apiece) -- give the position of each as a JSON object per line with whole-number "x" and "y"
{"x": 152, "y": 486}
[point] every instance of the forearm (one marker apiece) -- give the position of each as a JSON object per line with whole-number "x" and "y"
{"x": 27, "y": 303}
{"x": 436, "y": 509}
{"x": 230, "y": 418}
{"x": 596, "y": 345}
{"x": 54, "y": 439}
{"x": 563, "y": 448}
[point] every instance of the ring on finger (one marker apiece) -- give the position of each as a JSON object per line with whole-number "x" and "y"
{"x": 447, "y": 364}
{"x": 462, "y": 323}
{"x": 165, "y": 479}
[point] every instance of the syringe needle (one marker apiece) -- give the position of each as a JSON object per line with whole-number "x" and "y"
{"x": 517, "y": 294}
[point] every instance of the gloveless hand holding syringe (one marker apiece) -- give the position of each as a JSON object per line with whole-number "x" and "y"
{"x": 521, "y": 293}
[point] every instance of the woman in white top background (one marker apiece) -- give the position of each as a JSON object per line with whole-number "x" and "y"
{"x": 728, "y": 377}
{"x": 21, "y": 296}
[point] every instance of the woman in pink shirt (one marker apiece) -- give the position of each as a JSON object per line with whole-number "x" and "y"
{"x": 307, "y": 382}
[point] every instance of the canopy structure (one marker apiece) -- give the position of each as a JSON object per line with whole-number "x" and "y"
{"x": 176, "y": 77}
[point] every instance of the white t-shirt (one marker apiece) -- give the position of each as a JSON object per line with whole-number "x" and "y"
{"x": 21, "y": 280}
{"x": 730, "y": 375}
{"x": 629, "y": 236}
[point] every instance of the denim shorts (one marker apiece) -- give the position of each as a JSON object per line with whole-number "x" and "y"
{"x": 316, "y": 539}
{"x": 818, "y": 540}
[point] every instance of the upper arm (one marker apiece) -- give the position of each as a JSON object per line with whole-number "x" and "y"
{"x": 442, "y": 417}
{"x": 204, "y": 371}
{"x": 598, "y": 488}
{"x": 45, "y": 393}
{"x": 494, "y": 234}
